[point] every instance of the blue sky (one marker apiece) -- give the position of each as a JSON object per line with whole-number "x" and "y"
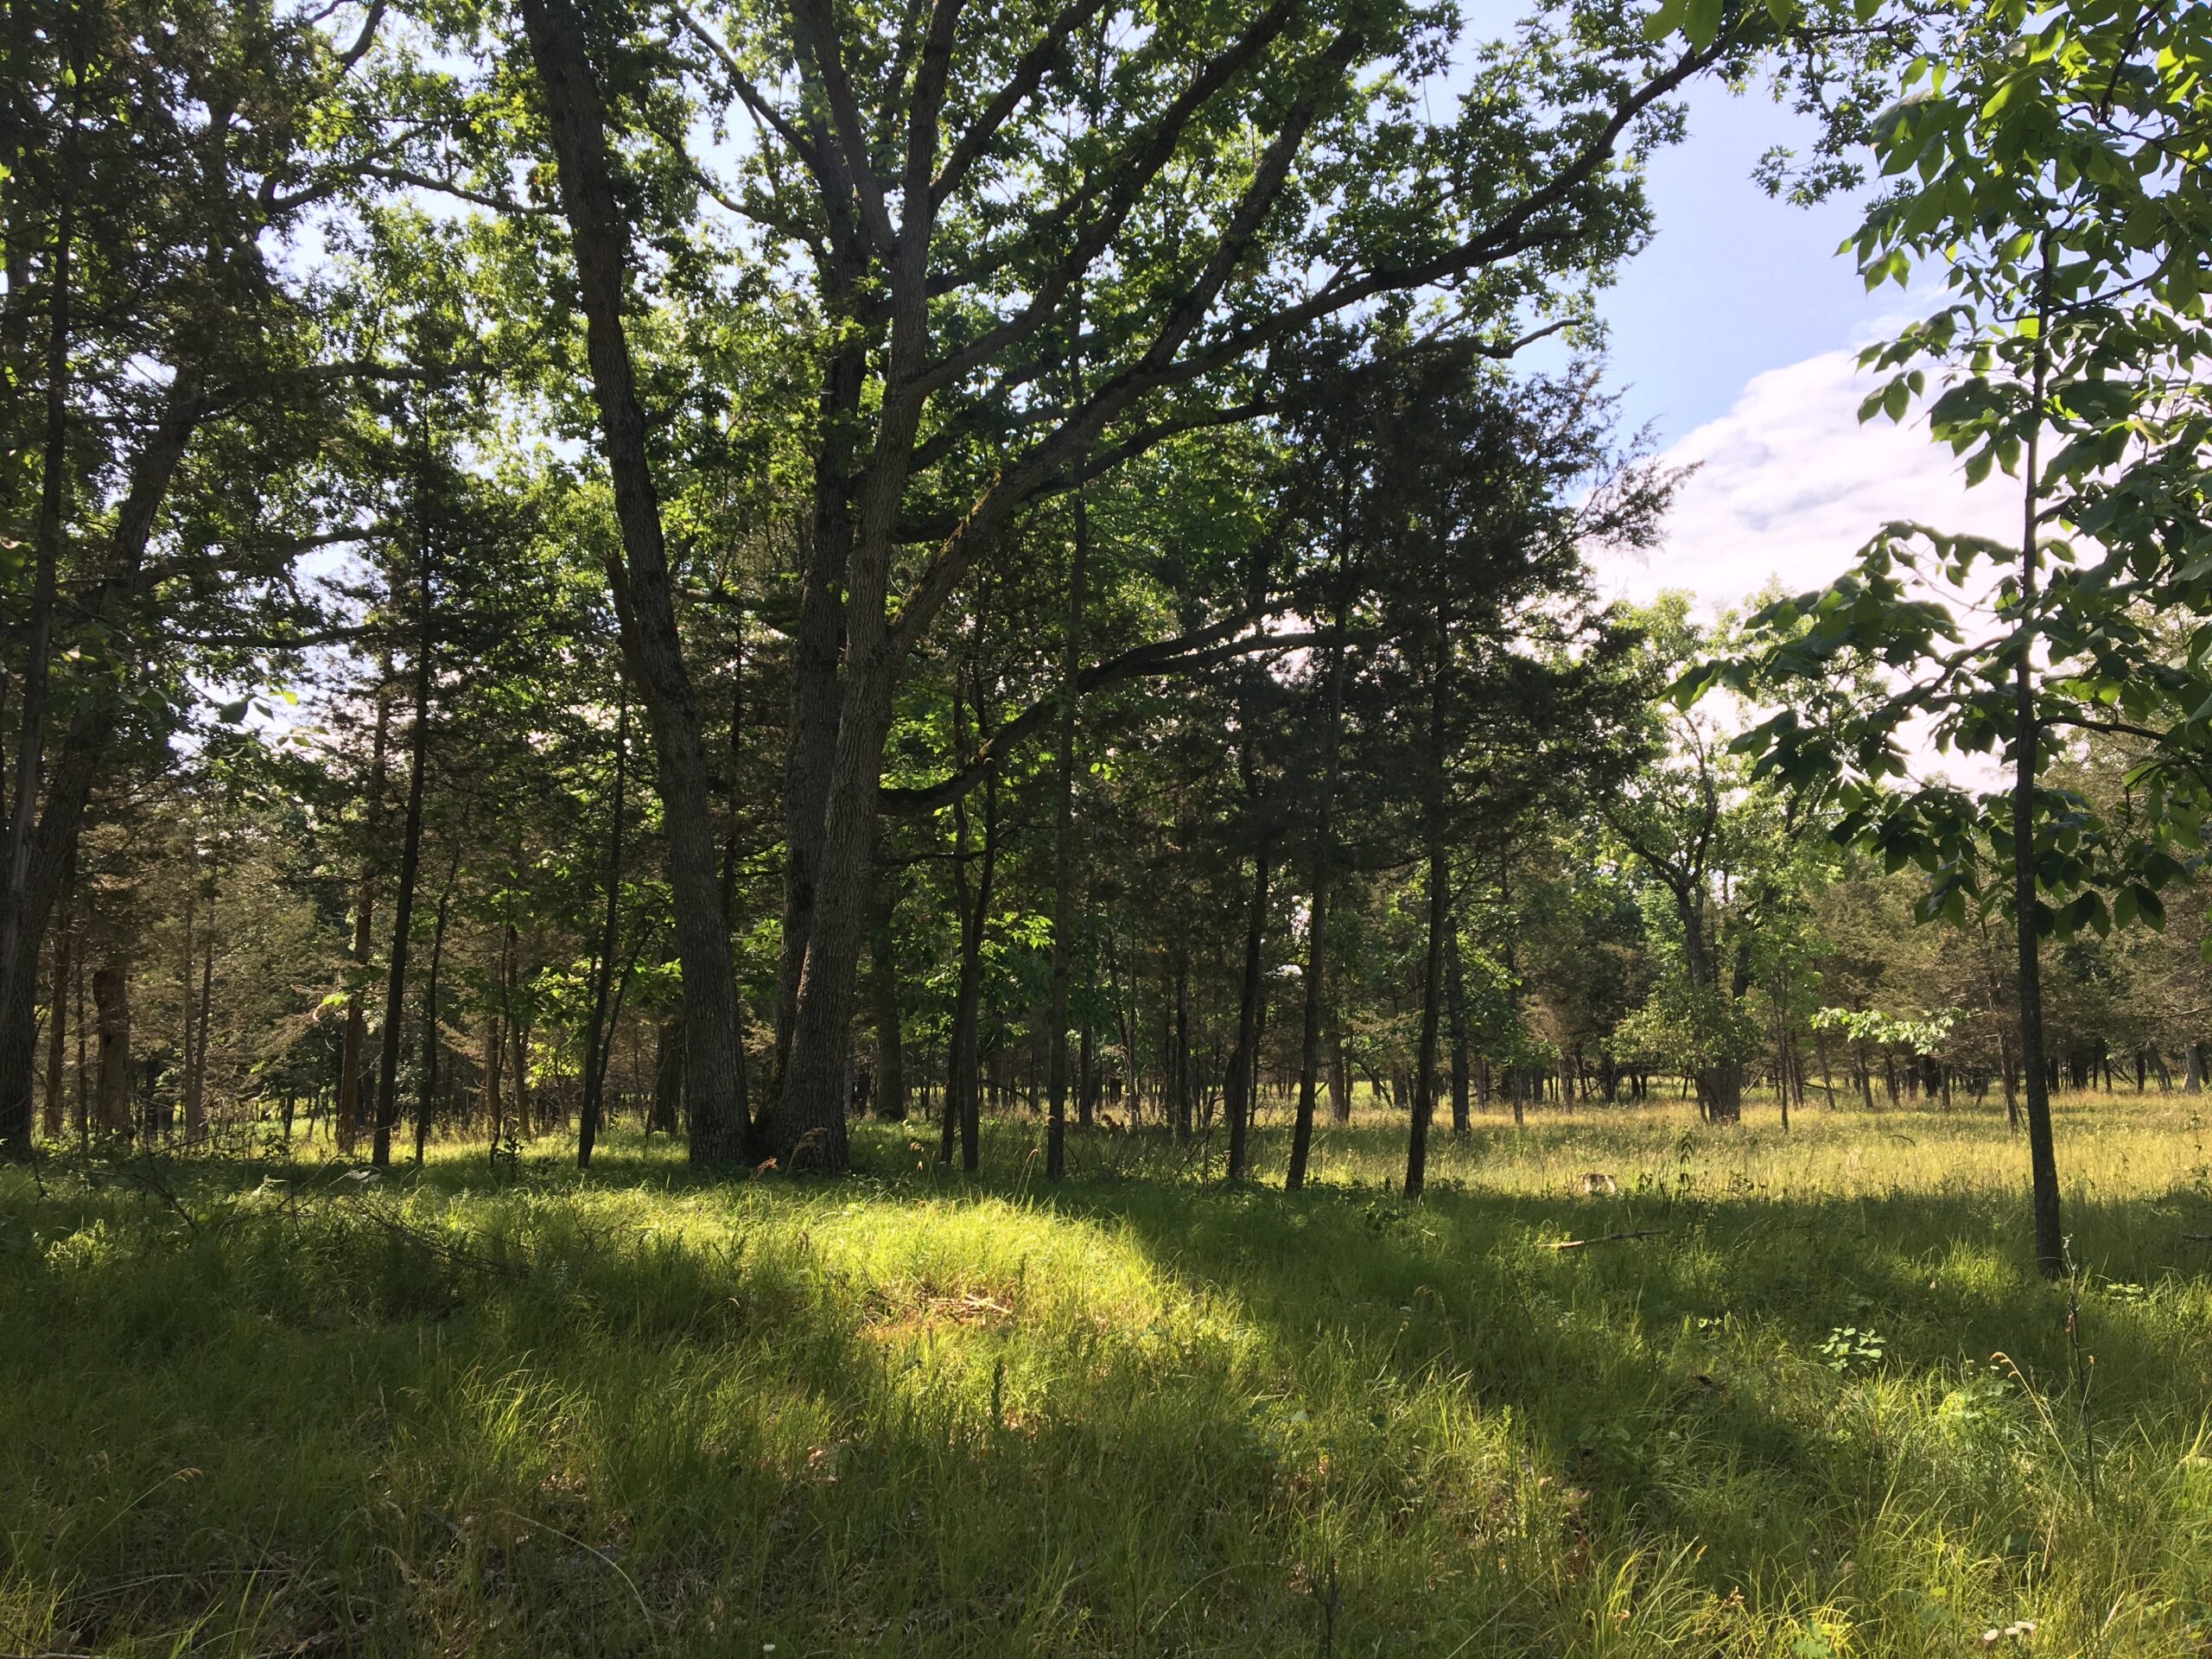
{"x": 1735, "y": 281}
{"x": 1733, "y": 336}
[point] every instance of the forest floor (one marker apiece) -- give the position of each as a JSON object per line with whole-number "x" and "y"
{"x": 1799, "y": 1395}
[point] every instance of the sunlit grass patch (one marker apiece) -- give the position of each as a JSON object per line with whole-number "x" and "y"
{"x": 1811, "y": 1400}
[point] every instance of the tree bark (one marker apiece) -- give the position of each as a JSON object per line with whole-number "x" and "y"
{"x": 641, "y": 585}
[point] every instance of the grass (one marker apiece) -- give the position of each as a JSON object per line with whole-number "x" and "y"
{"x": 263, "y": 1407}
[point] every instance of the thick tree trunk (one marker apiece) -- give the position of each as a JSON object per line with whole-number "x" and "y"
{"x": 1056, "y": 1133}
{"x": 642, "y": 587}
{"x": 812, "y": 737}
{"x": 602, "y": 975}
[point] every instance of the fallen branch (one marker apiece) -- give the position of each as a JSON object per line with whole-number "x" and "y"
{"x": 1605, "y": 1238}
{"x": 2197, "y": 1238}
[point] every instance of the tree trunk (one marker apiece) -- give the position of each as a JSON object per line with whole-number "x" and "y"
{"x": 668, "y": 1076}
{"x": 410, "y": 867}
{"x": 1056, "y": 1131}
{"x": 347, "y": 1115}
{"x": 2043, "y": 1159}
{"x": 20, "y": 931}
{"x": 1455, "y": 990}
{"x": 812, "y": 736}
{"x": 56, "y": 1041}
{"x": 1244, "y": 1058}
{"x": 890, "y": 1023}
{"x": 643, "y": 589}
{"x": 1184, "y": 1106}
{"x": 195, "y": 1076}
{"x": 427, "y": 1087}
{"x": 964, "y": 1078}
{"x": 1317, "y": 927}
{"x": 493, "y": 1063}
{"x": 603, "y": 972}
{"x": 1439, "y": 900}
{"x": 112, "y": 1000}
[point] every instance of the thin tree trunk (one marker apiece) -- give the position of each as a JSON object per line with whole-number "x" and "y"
{"x": 2042, "y": 1160}
{"x": 195, "y": 1077}
{"x": 1439, "y": 900}
{"x": 112, "y": 1000}
{"x": 410, "y": 867}
{"x": 56, "y": 1041}
{"x": 1317, "y": 928}
{"x": 1455, "y": 990}
{"x": 346, "y": 1116}
{"x": 19, "y": 930}
{"x": 890, "y": 1019}
{"x": 1244, "y": 1060}
{"x": 1056, "y": 1133}
{"x": 603, "y": 967}
{"x": 427, "y": 1087}
{"x": 1181, "y": 1056}
{"x": 964, "y": 1080}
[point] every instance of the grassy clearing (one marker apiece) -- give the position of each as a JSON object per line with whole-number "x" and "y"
{"x": 271, "y": 1408}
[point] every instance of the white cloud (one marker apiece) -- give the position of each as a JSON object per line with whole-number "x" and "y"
{"x": 1790, "y": 485}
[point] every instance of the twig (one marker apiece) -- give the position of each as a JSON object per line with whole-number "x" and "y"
{"x": 1607, "y": 1238}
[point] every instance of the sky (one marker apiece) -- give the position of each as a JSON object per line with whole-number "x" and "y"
{"x": 1733, "y": 336}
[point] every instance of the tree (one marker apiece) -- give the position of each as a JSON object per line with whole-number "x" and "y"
{"x": 2053, "y": 160}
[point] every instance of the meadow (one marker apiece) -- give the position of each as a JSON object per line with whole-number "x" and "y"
{"x": 1792, "y": 1394}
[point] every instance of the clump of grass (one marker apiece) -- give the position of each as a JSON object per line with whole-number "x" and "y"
{"x": 254, "y": 1409}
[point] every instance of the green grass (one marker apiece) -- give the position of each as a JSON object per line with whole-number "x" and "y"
{"x": 255, "y": 1408}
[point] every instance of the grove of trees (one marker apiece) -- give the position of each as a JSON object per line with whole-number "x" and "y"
{"x": 744, "y": 567}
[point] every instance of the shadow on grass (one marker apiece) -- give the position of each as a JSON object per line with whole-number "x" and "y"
{"x": 548, "y": 1427}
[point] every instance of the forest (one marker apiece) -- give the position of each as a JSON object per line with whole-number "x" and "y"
{"x": 821, "y": 830}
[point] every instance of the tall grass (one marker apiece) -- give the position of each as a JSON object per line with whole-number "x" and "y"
{"x": 1819, "y": 1406}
